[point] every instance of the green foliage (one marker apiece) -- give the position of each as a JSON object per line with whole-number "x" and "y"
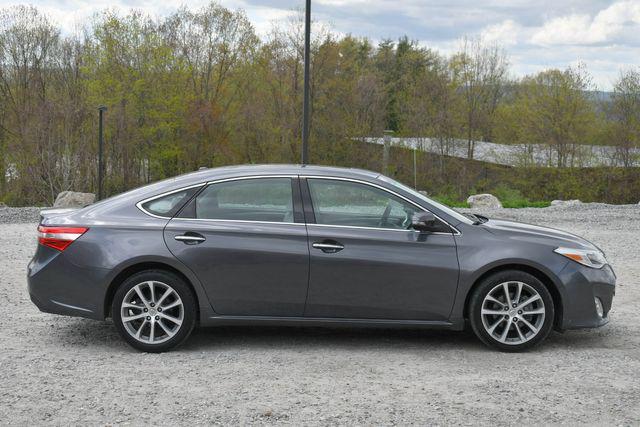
{"x": 513, "y": 198}
{"x": 451, "y": 202}
{"x": 452, "y": 180}
{"x": 551, "y": 108}
{"x": 624, "y": 111}
{"x": 509, "y": 198}
{"x": 199, "y": 88}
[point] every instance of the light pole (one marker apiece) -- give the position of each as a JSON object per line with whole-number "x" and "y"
{"x": 307, "y": 94}
{"x": 101, "y": 110}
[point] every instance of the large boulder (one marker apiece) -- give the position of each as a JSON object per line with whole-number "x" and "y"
{"x": 72, "y": 199}
{"x": 565, "y": 203}
{"x": 486, "y": 201}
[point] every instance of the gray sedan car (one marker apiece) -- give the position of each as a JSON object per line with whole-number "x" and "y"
{"x": 308, "y": 245}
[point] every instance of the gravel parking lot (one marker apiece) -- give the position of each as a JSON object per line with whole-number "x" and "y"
{"x": 61, "y": 370}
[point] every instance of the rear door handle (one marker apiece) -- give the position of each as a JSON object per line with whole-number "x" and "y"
{"x": 190, "y": 238}
{"x": 328, "y": 246}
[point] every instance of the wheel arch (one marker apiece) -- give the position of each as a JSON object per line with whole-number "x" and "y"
{"x": 546, "y": 280}
{"x": 143, "y": 266}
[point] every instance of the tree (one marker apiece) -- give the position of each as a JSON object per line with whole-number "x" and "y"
{"x": 214, "y": 43}
{"x": 28, "y": 47}
{"x": 431, "y": 108}
{"x": 553, "y": 110}
{"x": 480, "y": 70}
{"x": 625, "y": 116}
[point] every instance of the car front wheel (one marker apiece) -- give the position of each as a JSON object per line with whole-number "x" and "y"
{"x": 511, "y": 311}
{"x": 154, "y": 311}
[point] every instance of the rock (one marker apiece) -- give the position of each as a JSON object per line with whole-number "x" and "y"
{"x": 566, "y": 202}
{"x": 72, "y": 199}
{"x": 2, "y": 205}
{"x": 424, "y": 193}
{"x": 488, "y": 201}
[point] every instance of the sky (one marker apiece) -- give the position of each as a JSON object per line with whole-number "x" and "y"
{"x": 537, "y": 35}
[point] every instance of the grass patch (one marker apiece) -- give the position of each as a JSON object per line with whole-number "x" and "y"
{"x": 525, "y": 203}
{"x": 451, "y": 202}
{"x": 509, "y": 198}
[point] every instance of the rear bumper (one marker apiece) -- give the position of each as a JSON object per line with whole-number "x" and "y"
{"x": 582, "y": 285}
{"x": 64, "y": 288}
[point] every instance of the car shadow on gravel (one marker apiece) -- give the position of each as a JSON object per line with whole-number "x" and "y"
{"x": 607, "y": 337}
{"x": 379, "y": 339}
{"x": 90, "y": 333}
{"x": 362, "y": 339}
{"x": 103, "y": 335}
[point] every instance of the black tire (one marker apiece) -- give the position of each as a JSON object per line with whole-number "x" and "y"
{"x": 490, "y": 283}
{"x": 188, "y": 312}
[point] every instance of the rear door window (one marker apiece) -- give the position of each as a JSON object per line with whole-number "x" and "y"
{"x": 258, "y": 199}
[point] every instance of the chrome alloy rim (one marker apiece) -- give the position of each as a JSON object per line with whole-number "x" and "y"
{"x": 512, "y": 313}
{"x": 152, "y": 312}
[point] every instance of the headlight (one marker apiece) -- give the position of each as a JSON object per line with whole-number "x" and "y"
{"x": 590, "y": 258}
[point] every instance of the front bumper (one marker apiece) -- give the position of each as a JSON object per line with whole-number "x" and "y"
{"x": 58, "y": 286}
{"x": 581, "y": 285}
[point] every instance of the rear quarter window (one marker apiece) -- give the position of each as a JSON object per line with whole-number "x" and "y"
{"x": 169, "y": 205}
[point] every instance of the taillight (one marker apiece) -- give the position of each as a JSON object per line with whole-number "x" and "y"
{"x": 59, "y": 238}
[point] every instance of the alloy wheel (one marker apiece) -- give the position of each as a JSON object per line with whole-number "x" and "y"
{"x": 152, "y": 312}
{"x": 513, "y": 313}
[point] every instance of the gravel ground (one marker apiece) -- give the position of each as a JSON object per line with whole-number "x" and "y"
{"x": 61, "y": 370}
{"x": 10, "y": 215}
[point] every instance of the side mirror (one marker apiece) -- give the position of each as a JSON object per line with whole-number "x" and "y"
{"x": 423, "y": 221}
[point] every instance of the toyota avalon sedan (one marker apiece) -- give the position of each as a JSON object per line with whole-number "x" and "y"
{"x": 309, "y": 245}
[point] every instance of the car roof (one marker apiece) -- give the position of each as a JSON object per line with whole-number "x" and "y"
{"x": 285, "y": 169}
{"x": 224, "y": 172}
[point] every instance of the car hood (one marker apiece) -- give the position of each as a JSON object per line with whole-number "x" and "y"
{"x": 518, "y": 230}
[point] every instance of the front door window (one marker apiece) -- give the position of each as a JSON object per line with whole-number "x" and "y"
{"x": 348, "y": 203}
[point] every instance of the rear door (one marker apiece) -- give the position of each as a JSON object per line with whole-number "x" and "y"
{"x": 246, "y": 241}
{"x": 365, "y": 261}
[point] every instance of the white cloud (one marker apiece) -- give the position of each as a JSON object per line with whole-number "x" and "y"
{"x": 609, "y": 25}
{"x": 506, "y": 33}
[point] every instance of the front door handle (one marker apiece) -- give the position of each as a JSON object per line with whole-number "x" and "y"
{"x": 190, "y": 238}
{"x": 329, "y": 246}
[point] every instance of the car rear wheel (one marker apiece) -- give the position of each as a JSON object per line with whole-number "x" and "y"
{"x": 511, "y": 311}
{"x": 154, "y": 311}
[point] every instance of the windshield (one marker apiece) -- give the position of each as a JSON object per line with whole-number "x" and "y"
{"x": 440, "y": 206}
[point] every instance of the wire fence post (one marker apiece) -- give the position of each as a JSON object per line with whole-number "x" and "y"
{"x": 415, "y": 168}
{"x": 101, "y": 110}
{"x": 386, "y": 148}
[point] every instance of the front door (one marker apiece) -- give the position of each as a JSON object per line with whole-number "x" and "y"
{"x": 366, "y": 262}
{"x": 247, "y": 243}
